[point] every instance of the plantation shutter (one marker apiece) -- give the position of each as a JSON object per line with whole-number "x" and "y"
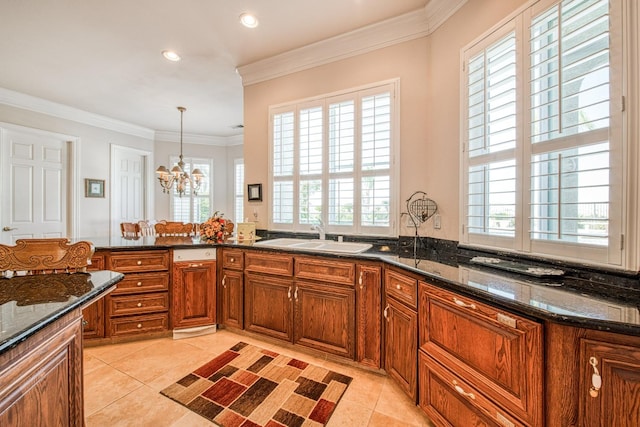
{"x": 239, "y": 190}
{"x": 283, "y": 167}
{"x": 310, "y": 165}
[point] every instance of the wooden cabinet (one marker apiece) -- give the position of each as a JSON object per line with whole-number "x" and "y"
{"x": 140, "y": 303}
{"x": 401, "y": 329}
{"x": 401, "y": 345}
{"x": 369, "y": 315}
{"x": 232, "y": 295}
{"x": 453, "y": 402}
{"x": 231, "y": 288}
{"x": 609, "y": 384}
{"x": 498, "y": 354}
{"x": 194, "y": 294}
{"x": 325, "y": 317}
{"x": 42, "y": 377}
{"x": 269, "y": 305}
{"x": 93, "y": 319}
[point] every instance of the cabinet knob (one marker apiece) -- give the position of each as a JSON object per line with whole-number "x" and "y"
{"x": 232, "y": 260}
{"x": 398, "y": 287}
{"x": 139, "y": 284}
{"x": 139, "y": 326}
{"x": 139, "y": 263}
{"x": 139, "y": 304}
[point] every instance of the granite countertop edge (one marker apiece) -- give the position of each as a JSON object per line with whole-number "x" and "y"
{"x": 106, "y": 285}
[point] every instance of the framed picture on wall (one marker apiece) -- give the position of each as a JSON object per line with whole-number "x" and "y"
{"x": 93, "y": 187}
{"x": 254, "y": 192}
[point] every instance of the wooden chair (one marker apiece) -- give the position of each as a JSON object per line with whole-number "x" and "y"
{"x": 130, "y": 229}
{"x": 45, "y": 256}
{"x": 146, "y": 229}
{"x": 174, "y": 229}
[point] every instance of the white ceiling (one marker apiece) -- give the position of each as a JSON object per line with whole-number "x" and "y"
{"x": 104, "y": 56}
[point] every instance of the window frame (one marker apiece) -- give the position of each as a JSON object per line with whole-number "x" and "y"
{"x": 393, "y": 86}
{"x": 209, "y": 177}
{"x": 613, "y": 254}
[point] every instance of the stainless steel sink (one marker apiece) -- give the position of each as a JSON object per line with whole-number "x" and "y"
{"x": 315, "y": 245}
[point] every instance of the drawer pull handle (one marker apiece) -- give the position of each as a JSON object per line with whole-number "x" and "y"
{"x": 398, "y": 287}
{"x": 195, "y": 265}
{"x": 360, "y": 280}
{"x": 139, "y": 326}
{"x": 461, "y": 391}
{"x": 224, "y": 281}
{"x": 596, "y": 379}
{"x": 139, "y": 304}
{"x": 385, "y": 313}
{"x": 295, "y": 294}
{"x": 139, "y": 284}
{"x": 461, "y": 303}
{"x": 289, "y": 293}
{"x": 139, "y": 263}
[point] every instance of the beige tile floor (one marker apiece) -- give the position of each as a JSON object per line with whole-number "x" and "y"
{"x": 122, "y": 384}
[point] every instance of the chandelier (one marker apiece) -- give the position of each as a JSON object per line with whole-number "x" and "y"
{"x": 177, "y": 175}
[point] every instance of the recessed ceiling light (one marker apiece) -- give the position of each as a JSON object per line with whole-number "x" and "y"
{"x": 171, "y": 55}
{"x": 248, "y": 20}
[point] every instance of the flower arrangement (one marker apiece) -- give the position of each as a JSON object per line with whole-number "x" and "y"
{"x": 215, "y": 228}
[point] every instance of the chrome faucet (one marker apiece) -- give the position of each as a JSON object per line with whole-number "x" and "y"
{"x": 319, "y": 228}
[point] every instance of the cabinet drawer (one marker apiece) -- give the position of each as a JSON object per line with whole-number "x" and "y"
{"x": 401, "y": 287}
{"x": 232, "y": 259}
{"x": 139, "y": 261}
{"x": 495, "y": 351}
{"x": 147, "y": 282}
{"x": 134, "y": 325}
{"x": 121, "y": 305}
{"x": 271, "y": 263}
{"x": 450, "y": 401}
{"x": 97, "y": 262}
{"x": 326, "y": 270}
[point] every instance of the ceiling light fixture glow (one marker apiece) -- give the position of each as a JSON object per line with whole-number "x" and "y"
{"x": 248, "y": 20}
{"x": 171, "y": 55}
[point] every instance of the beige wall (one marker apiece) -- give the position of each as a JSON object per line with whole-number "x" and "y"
{"x": 428, "y": 69}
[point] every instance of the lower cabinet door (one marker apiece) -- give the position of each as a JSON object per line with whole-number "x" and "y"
{"x": 369, "y": 315}
{"x": 232, "y": 293}
{"x": 615, "y": 370}
{"x": 401, "y": 346}
{"x": 268, "y": 305}
{"x": 194, "y": 294}
{"x": 93, "y": 320}
{"x": 325, "y": 318}
{"x": 449, "y": 401}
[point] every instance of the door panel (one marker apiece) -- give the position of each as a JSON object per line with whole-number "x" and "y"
{"x": 128, "y": 192}
{"x": 34, "y": 184}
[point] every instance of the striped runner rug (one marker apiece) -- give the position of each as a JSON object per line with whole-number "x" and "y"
{"x": 248, "y": 386}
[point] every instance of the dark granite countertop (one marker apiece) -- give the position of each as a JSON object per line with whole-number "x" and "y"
{"x": 30, "y": 303}
{"x": 596, "y": 301}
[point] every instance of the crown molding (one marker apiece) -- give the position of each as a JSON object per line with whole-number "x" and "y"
{"x": 39, "y": 105}
{"x": 409, "y": 26}
{"x": 192, "y": 138}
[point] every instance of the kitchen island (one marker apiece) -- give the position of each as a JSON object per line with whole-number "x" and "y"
{"x": 41, "y": 345}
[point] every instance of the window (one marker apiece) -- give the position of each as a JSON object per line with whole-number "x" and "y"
{"x": 238, "y": 190}
{"x": 331, "y": 161}
{"x": 540, "y": 138}
{"x": 192, "y": 207}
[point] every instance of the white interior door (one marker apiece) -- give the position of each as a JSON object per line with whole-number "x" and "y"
{"x": 34, "y": 166}
{"x": 128, "y": 186}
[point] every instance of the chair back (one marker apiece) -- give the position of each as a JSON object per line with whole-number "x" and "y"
{"x": 45, "y": 256}
{"x": 146, "y": 229}
{"x": 174, "y": 229}
{"x": 130, "y": 229}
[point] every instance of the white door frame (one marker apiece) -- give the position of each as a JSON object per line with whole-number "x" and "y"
{"x": 73, "y": 184}
{"x": 148, "y": 208}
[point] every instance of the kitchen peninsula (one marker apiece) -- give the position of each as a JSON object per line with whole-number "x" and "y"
{"x": 41, "y": 345}
{"x": 462, "y": 339}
